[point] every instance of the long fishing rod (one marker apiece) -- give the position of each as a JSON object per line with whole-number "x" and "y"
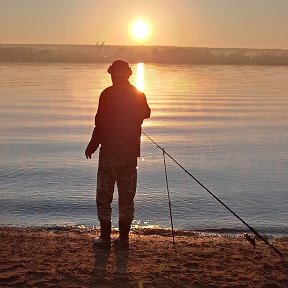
{"x": 215, "y": 197}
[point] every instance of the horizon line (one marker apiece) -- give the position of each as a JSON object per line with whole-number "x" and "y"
{"x": 142, "y": 45}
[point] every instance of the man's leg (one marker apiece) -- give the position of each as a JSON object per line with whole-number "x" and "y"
{"x": 104, "y": 197}
{"x": 126, "y": 183}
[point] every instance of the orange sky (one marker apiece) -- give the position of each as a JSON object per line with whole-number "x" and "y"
{"x": 204, "y": 23}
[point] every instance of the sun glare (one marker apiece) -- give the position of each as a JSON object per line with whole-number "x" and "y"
{"x": 140, "y": 30}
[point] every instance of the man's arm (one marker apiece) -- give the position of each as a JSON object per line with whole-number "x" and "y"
{"x": 96, "y": 135}
{"x": 92, "y": 145}
{"x": 146, "y": 111}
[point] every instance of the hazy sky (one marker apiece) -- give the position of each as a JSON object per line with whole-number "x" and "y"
{"x": 205, "y": 23}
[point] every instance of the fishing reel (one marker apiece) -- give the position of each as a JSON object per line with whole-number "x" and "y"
{"x": 250, "y": 239}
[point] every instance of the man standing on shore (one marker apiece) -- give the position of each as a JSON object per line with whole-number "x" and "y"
{"x": 121, "y": 111}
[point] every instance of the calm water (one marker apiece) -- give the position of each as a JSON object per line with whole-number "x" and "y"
{"x": 227, "y": 125}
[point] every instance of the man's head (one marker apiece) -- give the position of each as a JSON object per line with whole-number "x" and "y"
{"x": 120, "y": 69}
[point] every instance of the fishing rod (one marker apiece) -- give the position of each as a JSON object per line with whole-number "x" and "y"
{"x": 215, "y": 197}
{"x": 169, "y": 201}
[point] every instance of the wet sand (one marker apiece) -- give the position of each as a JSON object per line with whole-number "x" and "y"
{"x": 66, "y": 258}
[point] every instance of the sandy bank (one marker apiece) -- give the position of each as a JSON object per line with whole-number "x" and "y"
{"x": 55, "y": 258}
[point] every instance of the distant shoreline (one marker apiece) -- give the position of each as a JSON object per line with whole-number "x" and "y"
{"x": 139, "y": 46}
{"x": 101, "y": 53}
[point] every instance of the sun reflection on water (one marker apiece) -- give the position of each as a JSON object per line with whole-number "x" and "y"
{"x": 140, "y": 77}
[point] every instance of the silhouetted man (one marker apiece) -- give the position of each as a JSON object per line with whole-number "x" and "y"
{"x": 121, "y": 111}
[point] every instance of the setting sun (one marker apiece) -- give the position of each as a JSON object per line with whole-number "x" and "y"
{"x": 140, "y": 30}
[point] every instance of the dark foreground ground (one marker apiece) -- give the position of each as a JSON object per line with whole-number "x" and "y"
{"x": 65, "y": 258}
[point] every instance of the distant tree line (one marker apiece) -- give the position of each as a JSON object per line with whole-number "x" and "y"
{"x": 147, "y": 54}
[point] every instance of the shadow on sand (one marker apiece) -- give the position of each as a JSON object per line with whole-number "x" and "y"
{"x": 120, "y": 277}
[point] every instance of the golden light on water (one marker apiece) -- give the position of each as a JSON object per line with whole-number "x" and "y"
{"x": 140, "y": 77}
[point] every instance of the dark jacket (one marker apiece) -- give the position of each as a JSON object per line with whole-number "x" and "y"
{"x": 121, "y": 111}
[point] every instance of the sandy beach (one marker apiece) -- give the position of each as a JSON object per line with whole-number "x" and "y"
{"x": 66, "y": 258}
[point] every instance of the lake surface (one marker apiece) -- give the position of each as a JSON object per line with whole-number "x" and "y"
{"x": 227, "y": 125}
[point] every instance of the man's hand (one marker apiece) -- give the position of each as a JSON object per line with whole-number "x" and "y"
{"x": 91, "y": 148}
{"x": 88, "y": 153}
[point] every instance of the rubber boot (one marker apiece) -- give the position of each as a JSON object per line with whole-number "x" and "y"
{"x": 104, "y": 241}
{"x": 123, "y": 239}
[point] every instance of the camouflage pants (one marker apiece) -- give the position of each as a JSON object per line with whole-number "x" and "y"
{"x": 123, "y": 172}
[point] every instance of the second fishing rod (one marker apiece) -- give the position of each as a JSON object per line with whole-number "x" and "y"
{"x": 259, "y": 236}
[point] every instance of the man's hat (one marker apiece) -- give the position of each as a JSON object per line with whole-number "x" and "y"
{"x": 120, "y": 68}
